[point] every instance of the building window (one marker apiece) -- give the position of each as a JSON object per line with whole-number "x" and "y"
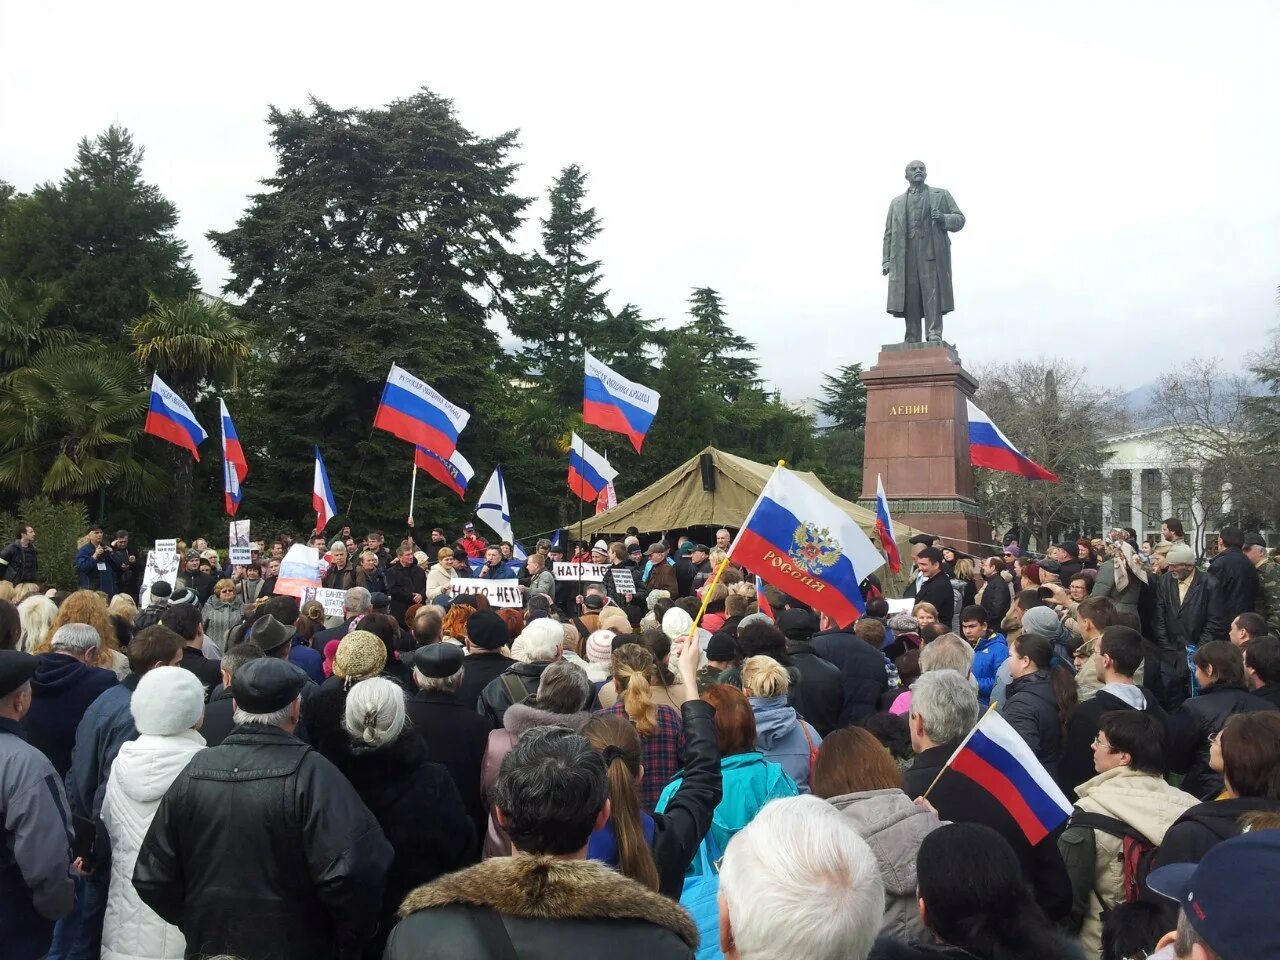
{"x": 1121, "y": 498}
{"x": 1152, "y": 488}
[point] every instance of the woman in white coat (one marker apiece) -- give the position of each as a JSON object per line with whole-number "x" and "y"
{"x": 167, "y": 707}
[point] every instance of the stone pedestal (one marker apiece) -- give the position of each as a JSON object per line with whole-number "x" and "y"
{"x": 917, "y": 440}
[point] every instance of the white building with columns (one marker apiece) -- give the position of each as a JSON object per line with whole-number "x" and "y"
{"x": 1150, "y": 482}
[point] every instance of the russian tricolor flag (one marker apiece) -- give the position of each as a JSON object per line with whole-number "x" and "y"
{"x": 996, "y": 758}
{"x": 884, "y": 527}
{"x": 415, "y": 412}
{"x": 990, "y": 448}
{"x": 454, "y": 472}
{"x": 234, "y": 465}
{"x": 612, "y": 402}
{"x": 807, "y": 547}
{"x": 322, "y": 495}
{"x": 589, "y": 472}
{"x": 169, "y": 418}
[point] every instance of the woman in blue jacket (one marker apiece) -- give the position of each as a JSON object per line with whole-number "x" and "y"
{"x": 782, "y": 734}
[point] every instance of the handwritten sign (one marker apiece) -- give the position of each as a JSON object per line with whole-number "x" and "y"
{"x": 499, "y": 593}
{"x": 331, "y": 600}
{"x": 580, "y": 571}
{"x": 166, "y": 546}
{"x": 162, "y": 564}
{"x": 624, "y": 581}
{"x": 240, "y": 556}
{"x": 904, "y": 605}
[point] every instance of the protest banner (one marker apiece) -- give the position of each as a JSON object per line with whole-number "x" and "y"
{"x": 300, "y": 569}
{"x": 580, "y": 571}
{"x": 162, "y": 564}
{"x": 239, "y": 533}
{"x": 624, "y": 581}
{"x": 331, "y": 600}
{"x": 905, "y": 605}
{"x": 240, "y": 556}
{"x": 499, "y": 593}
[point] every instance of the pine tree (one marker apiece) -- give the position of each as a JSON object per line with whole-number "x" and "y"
{"x": 717, "y": 347}
{"x": 103, "y": 237}
{"x": 382, "y": 238}
{"x": 844, "y": 397}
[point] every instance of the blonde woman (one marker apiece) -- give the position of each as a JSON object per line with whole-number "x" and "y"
{"x": 88, "y": 606}
{"x": 36, "y": 614}
{"x": 123, "y": 606}
{"x": 781, "y": 735}
{"x": 24, "y": 590}
{"x": 658, "y": 724}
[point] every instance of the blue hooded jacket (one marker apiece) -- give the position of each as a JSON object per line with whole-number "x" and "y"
{"x": 990, "y": 652}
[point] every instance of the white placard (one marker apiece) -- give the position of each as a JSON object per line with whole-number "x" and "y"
{"x": 624, "y": 581}
{"x": 904, "y": 605}
{"x": 239, "y": 533}
{"x": 240, "y": 556}
{"x": 499, "y": 593}
{"x": 580, "y": 571}
{"x": 162, "y": 564}
{"x": 332, "y": 600}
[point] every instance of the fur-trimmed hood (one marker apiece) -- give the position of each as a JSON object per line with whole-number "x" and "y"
{"x": 548, "y": 888}
{"x": 521, "y": 717}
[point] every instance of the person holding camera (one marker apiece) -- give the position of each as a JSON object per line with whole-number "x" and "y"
{"x": 98, "y": 564}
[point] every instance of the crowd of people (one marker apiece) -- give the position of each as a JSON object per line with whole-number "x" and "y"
{"x": 663, "y": 762}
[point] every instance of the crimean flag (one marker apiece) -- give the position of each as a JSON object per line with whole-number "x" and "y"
{"x": 454, "y": 472}
{"x": 884, "y": 527}
{"x": 322, "y": 495}
{"x": 990, "y": 448}
{"x": 612, "y": 402}
{"x": 996, "y": 758}
{"x": 589, "y": 472}
{"x": 234, "y": 465}
{"x": 169, "y": 418}
{"x": 415, "y": 412}
{"x": 807, "y": 547}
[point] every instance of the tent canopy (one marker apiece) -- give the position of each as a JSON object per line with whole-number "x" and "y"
{"x": 678, "y": 500}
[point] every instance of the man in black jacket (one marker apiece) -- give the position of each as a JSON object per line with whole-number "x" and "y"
{"x": 996, "y": 595}
{"x": 863, "y": 677}
{"x": 487, "y": 634}
{"x": 543, "y": 641}
{"x": 547, "y": 898}
{"x": 1188, "y": 614}
{"x": 820, "y": 698}
{"x": 261, "y": 848}
{"x": 19, "y": 562}
{"x": 219, "y": 712}
{"x": 1118, "y": 656}
{"x": 406, "y": 583}
{"x": 454, "y": 733}
{"x": 1237, "y": 576}
{"x": 944, "y": 708}
{"x": 936, "y": 588}
{"x": 1262, "y": 668}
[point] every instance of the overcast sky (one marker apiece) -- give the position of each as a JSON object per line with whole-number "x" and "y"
{"x": 1115, "y": 161}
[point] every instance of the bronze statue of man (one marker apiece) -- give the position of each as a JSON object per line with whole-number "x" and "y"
{"x": 917, "y": 255}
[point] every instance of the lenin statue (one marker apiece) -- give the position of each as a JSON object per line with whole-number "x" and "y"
{"x": 917, "y": 255}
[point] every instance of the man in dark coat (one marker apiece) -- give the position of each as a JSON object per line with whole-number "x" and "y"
{"x": 19, "y": 562}
{"x": 1237, "y": 576}
{"x": 454, "y": 733}
{"x": 66, "y": 682}
{"x": 1262, "y": 668}
{"x": 487, "y": 634}
{"x": 820, "y": 697}
{"x": 936, "y": 588}
{"x": 1118, "y": 655}
{"x": 944, "y": 708}
{"x": 863, "y": 676}
{"x": 261, "y": 848}
{"x": 406, "y": 583}
{"x": 219, "y": 712}
{"x": 996, "y": 596}
{"x": 1189, "y": 613}
{"x": 546, "y": 899}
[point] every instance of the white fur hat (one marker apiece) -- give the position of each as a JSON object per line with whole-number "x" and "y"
{"x": 168, "y": 700}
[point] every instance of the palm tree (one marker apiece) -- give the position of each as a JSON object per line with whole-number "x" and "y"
{"x": 69, "y": 422}
{"x": 192, "y": 344}
{"x": 24, "y": 312}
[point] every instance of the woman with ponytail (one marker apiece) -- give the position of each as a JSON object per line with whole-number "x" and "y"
{"x": 659, "y": 727}
{"x": 1040, "y": 699}
{"x": 974, "y": 901}
{"x": 654, "y": 849}
{"x": 414, "y": 800}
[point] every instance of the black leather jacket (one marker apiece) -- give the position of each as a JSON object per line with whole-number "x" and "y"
{"x": 1191, "y": 623}
{"x": 1192, "y": 725}
{"x": 261, "y": 848}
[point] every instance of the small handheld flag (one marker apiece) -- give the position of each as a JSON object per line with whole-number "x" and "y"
{"x": 234, "y": 465}
{"x": 454, "y": 472}
{"x": 884, "y": 527}
{"x": 990, "y": 448}
{"x": 322, "y": 495}
{"x": 607, "y": 500}
{"x": 415, "y": 412}
{"x": 589, "y": 472}
{"x": 996, "y": 758}
{"x": 612, "y": 402}
{"x": 493, "y": 508}
{"x": 807, "y": 547}
{"x": 169, "y": 418}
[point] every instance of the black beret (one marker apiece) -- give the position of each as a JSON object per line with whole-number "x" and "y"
{"x": 797, "y": 624}
{"x": 438, "y": 660}
{"x": 16, "y": 668}
{"x": 266, "y": 685}
{"x": 1050, "y": 565}
{"x": 487, "y": 630}
{"x": 1254, "y": 539}
{"x": 379, "y": 601}
{"x": 720, "y": 647}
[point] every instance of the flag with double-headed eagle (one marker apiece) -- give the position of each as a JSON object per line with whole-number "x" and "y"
{"x": 807, "y": 547}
